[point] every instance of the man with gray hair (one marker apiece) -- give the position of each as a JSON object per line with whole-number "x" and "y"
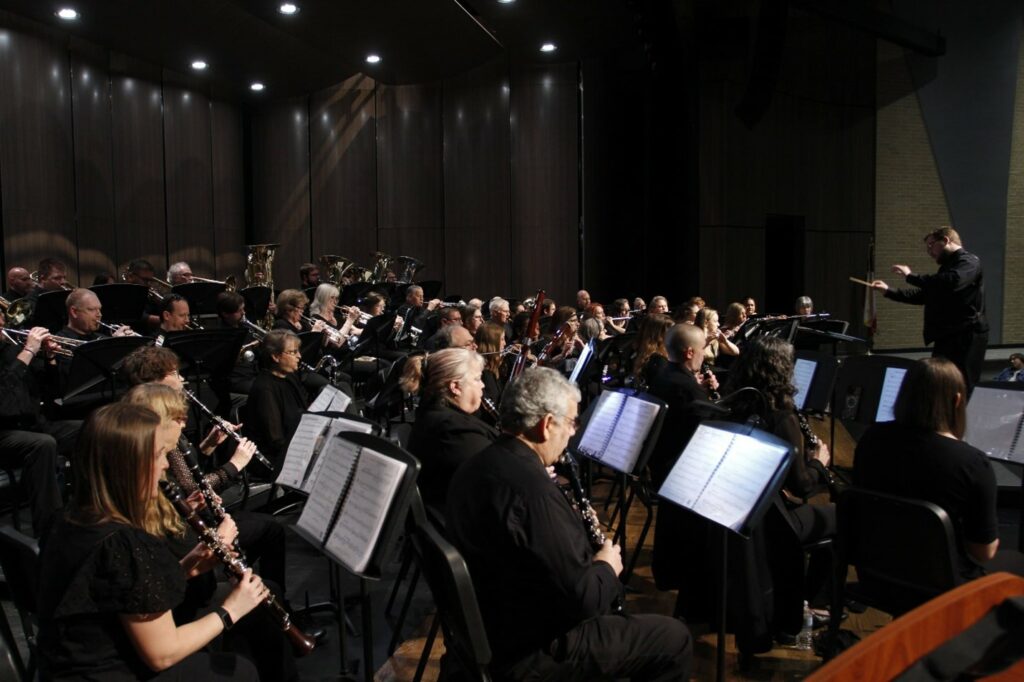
{"x": 545, "y": 592}
{"x": 179, "y": 273}
{"x": 501, "y": 313}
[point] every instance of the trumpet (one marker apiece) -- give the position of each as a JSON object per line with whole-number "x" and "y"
{"x": 112, "y": 328}
{"x": 34, "y": 276}
{"x": 65, "y": 346}
{"x": 333, "y": 335}
{"x": 364, "y": 317}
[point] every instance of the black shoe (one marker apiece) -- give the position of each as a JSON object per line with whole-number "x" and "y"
{"x": 785, "y": 639}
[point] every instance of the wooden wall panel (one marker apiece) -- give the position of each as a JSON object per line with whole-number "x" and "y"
{"x": 228, "y": 190}
{"x": 94, "y": 172}
{"x": 832, "y": 257}
{"x": 545, "y": 188}
{"x": 343, "y": 170}
{"x": 280, "y": 159}
{"x": 36, "y": 154}
{"x": 139, "y": 211}
{"x": 409, "y": 175}
{"x": 189, "y": 178}
{"x": 476, "y": 183}
{"x": 742, "y": 250}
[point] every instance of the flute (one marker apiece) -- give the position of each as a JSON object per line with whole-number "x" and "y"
{"x": 302, "y": 643}
{"x": 224, "y": 426}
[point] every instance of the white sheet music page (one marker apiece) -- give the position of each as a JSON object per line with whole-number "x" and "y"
{"x": 338, "y": 425}
{"x": 994, "y": 421}
{"x": 300, "y": 450}
{"x": 328, "y": 486}
{"x": 630, "y": 433}
{"x": 734, "y": 490}
{"x": 354, "y": 537}
{"x": 324, "y": 399}
{"x": 694, "y": 468}
{"x": 890, "y": 390}
{"x": 803, "y": 374}
{"x": 339, "y": 402}
{"x": 601, "y": 423}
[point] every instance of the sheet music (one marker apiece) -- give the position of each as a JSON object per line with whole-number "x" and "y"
{"x": 630, "y": 433}
{"x": 994, "y": 418}
{"x": 890, "y": 390}
{"x": 803, "y": 375}
{"x": 721, "y": 475}
{"x": 338, "y": 425}
{"x": 601, "y": 424}
{"x": 581, "y": 362}
{"x": 301, "y": 449}
{"x": 354, "y": 536}
{"x": 330, "y": 400}
{"x": 328, "y": 486}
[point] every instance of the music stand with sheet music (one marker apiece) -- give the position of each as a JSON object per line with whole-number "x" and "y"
{"x": 352, "y": 294}
{"x": 311, "y": 345}
{"x": 729, "y": 474}
{"x": 98, "y": 361}
{"x": 201, "y": 296}
{"x": 866, "y": 388}
{"x": 257, "y": 301}
{"x": 122, "y": 303}
{"x": 207, "y": 352}
{"x": 379, "y": 478}
{"x": 50, "y": 310}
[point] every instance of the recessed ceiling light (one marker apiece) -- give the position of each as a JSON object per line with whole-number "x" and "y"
{"x": 67, "y": 13}
{"x": 199, "y": 65}
{"x": 288, "y": 8}
{"x": 373, "y": 59}
{"x": 506, "y": 2}
{"x": 256, "y": 86}
{"x": 548, "y": 47}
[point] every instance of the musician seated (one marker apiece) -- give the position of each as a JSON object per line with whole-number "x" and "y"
{"x": 291, "y": 309}
{"x": 921, "y": 455}
{"x": 28, "y": 440}
{"x": 53, "y": 275}
{"x": 803, "y": 306}
{"x": 179, "y": 273}
{"x": 651, "y": 356}
{"x": 547, "y": 312}
{"x": 110, "y": 579}
{"x": 277, "y": 399}
{"x": 490, "y": 343}
{"x": 545, "y": 592}
{"x": 582, "y": 301}
{"x": 19, "y": 284}
{"x": 717, "y": 342}
{"x": 174, "y": 315}
{"x": 104, "y": 278}
{"x": 309, "y": 276}
{"x": 449, "y": 317}
{"x": 565, "y": 342}
{"x": 501, "y": 313}
{"x": 85, "y": 312}
{"x": 735, "y": 316}
{"x": 231, "y": 312}
{"x": 619, "y": 319}
{"x": 686, "y": 313}
{"x": 414, "y": 311}
{"x": 750, "y": 304}
{"x": 472, "y": 318}
{"x": 446, "y": 433}
{"x": 324, "y": 307}
{"x": 659, "y": 306}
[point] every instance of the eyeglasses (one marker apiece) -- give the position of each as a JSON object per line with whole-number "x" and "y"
{"x": 574, "y": 422}
{"x": 295, "y": 351}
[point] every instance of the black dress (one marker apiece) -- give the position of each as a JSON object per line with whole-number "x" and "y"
{"x": 273, "y": 412}
{"x": 442, "y": 439}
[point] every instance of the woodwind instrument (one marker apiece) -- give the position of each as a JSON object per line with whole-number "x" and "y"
{"x": 224, "y": 426}
{"x": 302, "y": 643}
{"x": 213, "y": 502}
{"x": 531, "y": 331}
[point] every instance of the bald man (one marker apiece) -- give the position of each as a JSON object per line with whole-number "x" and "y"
{"x": 84, "y": 315}
{"x": 19, "y": 284}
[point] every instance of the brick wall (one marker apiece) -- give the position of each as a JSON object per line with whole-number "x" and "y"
{"x": 1013, "y": 311}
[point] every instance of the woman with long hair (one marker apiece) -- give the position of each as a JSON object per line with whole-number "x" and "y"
{"x": 717, "y": 341}
{"x": 446, "y": 432}
{"x": 651, "y": 356}
{"x": 490, "y": 344}
{"x": 111, "y": 579}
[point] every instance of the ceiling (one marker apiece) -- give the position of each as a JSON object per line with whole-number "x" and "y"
{"x": 327, "y": 40}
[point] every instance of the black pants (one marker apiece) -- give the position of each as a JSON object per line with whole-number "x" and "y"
{"x": 262, "y": 537}
{"x": 206, "y": 666}
{"x": 35, "y": 453}
{"x": 966, "y": 350}
{"x": 644, "y": 648}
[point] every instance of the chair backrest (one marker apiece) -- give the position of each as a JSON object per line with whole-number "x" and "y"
{"x": 899, "y": 546}
{"x": 448, "y": 577}
{"x": 19, "y": 558}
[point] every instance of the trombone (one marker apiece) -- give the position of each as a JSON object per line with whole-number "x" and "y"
{"x": 229, "y": 283}
{"x": 65, "y": 346}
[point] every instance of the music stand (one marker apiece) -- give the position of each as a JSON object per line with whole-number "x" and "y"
{"x": 122, "y": 302}
{"x": 311, "y": 346}
{"x": 51, "y": 310}
{"x": 431, "y": 288}
{"x": 394, "y": 292}
{"x": 376, "y": 333}
{"x": 257, "y": 301}
{"x": 858, "y": 389}
{"x": 310, "y": 292}
{"x": 201, "y": 296}
{"x": 353, "y": 293}
{"x": 207, "y": 352}
{"x": 98, "y": 361}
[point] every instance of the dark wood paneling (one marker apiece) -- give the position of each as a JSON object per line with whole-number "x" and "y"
{"x": 409, "y": 175}
{"x": 741, "y": 250}
{"x": 228, "y": 190}
{"x": 36, "y": 154}
{"x": 476, "y": 183}
{"x": 344, "y": 181}
{"x": 139, "y": 213}
{"x": 280, "y": 159}
{"x": 94, "y": 179}
{"x": 545, "y": 188}
{"x": 832, "y": 258}
{"x": 189, "y": 178}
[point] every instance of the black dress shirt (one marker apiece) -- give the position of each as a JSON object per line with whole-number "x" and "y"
{"x": 679, "y": 388}
{"x": 274, "y": 410}
{"x": 530, "y": 558}
{"x": 442, "y": 439}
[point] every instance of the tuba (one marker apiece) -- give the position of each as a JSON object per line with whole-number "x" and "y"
{"x": 259, "y": 265}
{"x": 381, "y": 265}
{"x": 406, "y": 268}
{"x": 335, "y": 268}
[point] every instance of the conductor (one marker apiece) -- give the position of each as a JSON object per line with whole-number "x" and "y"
{"x": 953, "y": 300}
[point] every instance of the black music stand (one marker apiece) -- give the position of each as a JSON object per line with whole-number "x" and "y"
{"x": 858, "y": 389}
{"x": 257, "y": 301}
{"x": 201, "y": 296}
{"x": 311, "y": 345}
{"x": 394, "y": 293}
{"x": 431, "y": 288}
{"x": 353, "y": 293}
{"x": 98, "y": 361}
{"x": 375, "y": 334}
{"x": 310, "y": 292}
{"x": 823, "y": 332}
{"x": 207, "y": 352}
{"x": 50, "y": 311}
{"x": 123, "y": 302}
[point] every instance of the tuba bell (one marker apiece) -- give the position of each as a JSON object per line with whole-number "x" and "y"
{"x": 381, "y": 265}
{"x": 259, "y": 265}
{"x": 335, "y": 267}
{"x": 406, "y": 268}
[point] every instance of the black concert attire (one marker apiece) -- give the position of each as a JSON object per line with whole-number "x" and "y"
{"x": 954, "y": 311}
{"x": 69, "y": 333}
{"x": 919, "y": 464}
{"x": 92, "y": 574}
{"x": 12, "y": 295}
{"x": 493, "y": 386}
{"x": 653, "y": 366}
{"x": 28, "y": 440}
{"x": 415, "y": 316}
{"x": 544, "y": 600}
{"x": 442, "y": 438}
{"x": 274, "y": 410}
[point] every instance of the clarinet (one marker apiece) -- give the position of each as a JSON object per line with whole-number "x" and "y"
{"x": 705, "y": 371}
{"x": 217, "y": 511}
{"x": 812, "y": 442}
{"x": 223, "y": 425}
{"x": 302, "y": 643}
{"x": 578, "y": 500}
{"x": 491, "y": 411}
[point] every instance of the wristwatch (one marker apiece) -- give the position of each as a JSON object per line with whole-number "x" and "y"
{"x": 225, "y": 617}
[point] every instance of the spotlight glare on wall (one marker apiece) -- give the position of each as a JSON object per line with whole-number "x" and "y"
{"x": 373, "y": 59}
{"x": 67, "y": 13}
{"x": 288, "y": 8}
{"x": 256, "y": 86}
{"x": 199, "y": 65}
{"x": 548, "y": 47}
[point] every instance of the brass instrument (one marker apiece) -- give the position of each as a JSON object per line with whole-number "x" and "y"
{"x": 364, "y": 317}
{"x": 335, "y": 267}
{"x": 4, "y": 304}
{"x": 65, "y": 346}
{"x": 333, "y": 335}
{"x": 259, "y": 272}
{"x": 381, "y": 265}
{"x": 19, "y": 312}
{"x": 406, "y": 268}
{"x": 113, "y": 328}
{"x": 358, "y": 273}
{"x": 153, "y": 294}
{"x": 229, "y": 283}
{"x": 34, "y": 276}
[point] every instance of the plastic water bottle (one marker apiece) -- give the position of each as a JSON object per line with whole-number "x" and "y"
{"x": 804, "y": 640}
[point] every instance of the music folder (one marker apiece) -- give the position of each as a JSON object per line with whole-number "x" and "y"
{"x": 620, "y": 429}
{"x": 308, "y": 448}
{"x": 729, "y": 474}
{"x": 995, "y": 418}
